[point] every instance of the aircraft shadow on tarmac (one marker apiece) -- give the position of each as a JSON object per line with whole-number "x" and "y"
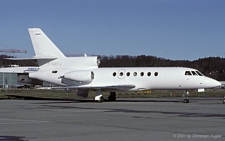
{"x": 177, "y": 100}
{"x": 90, "y": 100}
{"x": 12, "y": 138}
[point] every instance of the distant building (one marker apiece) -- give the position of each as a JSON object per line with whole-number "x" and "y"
{"x": 8, "y": 80}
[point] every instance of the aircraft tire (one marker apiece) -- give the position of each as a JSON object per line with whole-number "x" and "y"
{"x": 186, "y": 101}
{"x": 112, "y": 96}
{"x": 101, "y": 99}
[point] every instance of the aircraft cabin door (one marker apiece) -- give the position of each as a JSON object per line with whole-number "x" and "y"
{"x": 121, "y": 73}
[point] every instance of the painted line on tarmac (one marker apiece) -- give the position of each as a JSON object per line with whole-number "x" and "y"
{"x": 19, "y": 121}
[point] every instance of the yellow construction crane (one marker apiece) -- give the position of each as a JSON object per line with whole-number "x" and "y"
{"x": 10, "y": 50}
{"x": 13, "y": 50}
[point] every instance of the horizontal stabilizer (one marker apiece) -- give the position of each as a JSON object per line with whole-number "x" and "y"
{"x": 34, "y": 58}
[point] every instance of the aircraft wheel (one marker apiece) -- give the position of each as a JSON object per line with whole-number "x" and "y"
{"x": 112, "y": 96}
{"x": 101, "y": 99}
{"x": 186, "y": 101}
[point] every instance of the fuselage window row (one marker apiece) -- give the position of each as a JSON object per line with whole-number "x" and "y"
{"x": 134, "y": 74}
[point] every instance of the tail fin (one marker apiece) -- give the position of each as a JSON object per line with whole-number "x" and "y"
{"x": 43, "y": 46}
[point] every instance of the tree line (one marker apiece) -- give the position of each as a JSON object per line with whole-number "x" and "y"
{"x": 213, "y": 67}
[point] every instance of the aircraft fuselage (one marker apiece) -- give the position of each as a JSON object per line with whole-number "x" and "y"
{"x": 143, "y": 78}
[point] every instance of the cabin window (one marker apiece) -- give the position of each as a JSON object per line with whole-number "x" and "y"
{"x": 142, "y": 73}
{"x": 92, "y": 75}
{"x": 114, "y": 74}
{"x": 188, "y": 73}
{"x": 156, "y": 73}
{"x": 121, "y": 73}
{"x": 149, "y": 73}
{"x": 135, "y": 73}
{"x": 54, "y": 71}
{"x": 128, "y": 73}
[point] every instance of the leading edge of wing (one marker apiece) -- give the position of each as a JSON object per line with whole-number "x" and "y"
{"x": 111, "y": 87}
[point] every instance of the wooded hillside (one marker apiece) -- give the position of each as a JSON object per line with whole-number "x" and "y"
{"x": 212, "y": 66}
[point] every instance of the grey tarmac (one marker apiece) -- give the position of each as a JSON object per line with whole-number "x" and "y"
{"x": 127, "y": 119}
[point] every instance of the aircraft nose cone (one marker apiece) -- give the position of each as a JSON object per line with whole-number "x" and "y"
{"x": 217, "y": 83}
{"x": 211, "y": 83}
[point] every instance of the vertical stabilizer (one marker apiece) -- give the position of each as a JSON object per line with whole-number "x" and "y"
{"x": 43, "y": 46}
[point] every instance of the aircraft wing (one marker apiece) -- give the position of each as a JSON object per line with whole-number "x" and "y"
{"x": 107, "y": 88}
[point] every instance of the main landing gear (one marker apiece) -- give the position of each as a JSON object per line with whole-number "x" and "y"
{"x": 112, "y": 96}
{"x": 100, "y": 98}
{"x": 186, "y": 100}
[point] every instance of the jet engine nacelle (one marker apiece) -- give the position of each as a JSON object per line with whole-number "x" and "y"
{"x": 80, "y": 76}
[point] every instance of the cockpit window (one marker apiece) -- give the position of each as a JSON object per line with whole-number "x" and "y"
{"x": 188, "y": 73}
{"x": 199, "y": 73}
{"x": 194, "y": 73}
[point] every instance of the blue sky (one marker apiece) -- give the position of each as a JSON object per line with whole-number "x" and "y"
{"x": 171, "y": 29}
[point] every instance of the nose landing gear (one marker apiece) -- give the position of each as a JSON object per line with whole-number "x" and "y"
{"x": 186, "y": 100}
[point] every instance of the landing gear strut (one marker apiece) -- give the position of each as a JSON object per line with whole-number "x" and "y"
{"x": 99, "y": 96}
{"x": 186, "y": 100}
{"x": 112, "y": 96}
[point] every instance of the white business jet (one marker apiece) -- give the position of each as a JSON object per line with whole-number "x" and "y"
{"x": 83, "y": 74}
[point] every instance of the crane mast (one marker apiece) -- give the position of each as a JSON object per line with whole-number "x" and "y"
{"x": 13, "y": 50}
